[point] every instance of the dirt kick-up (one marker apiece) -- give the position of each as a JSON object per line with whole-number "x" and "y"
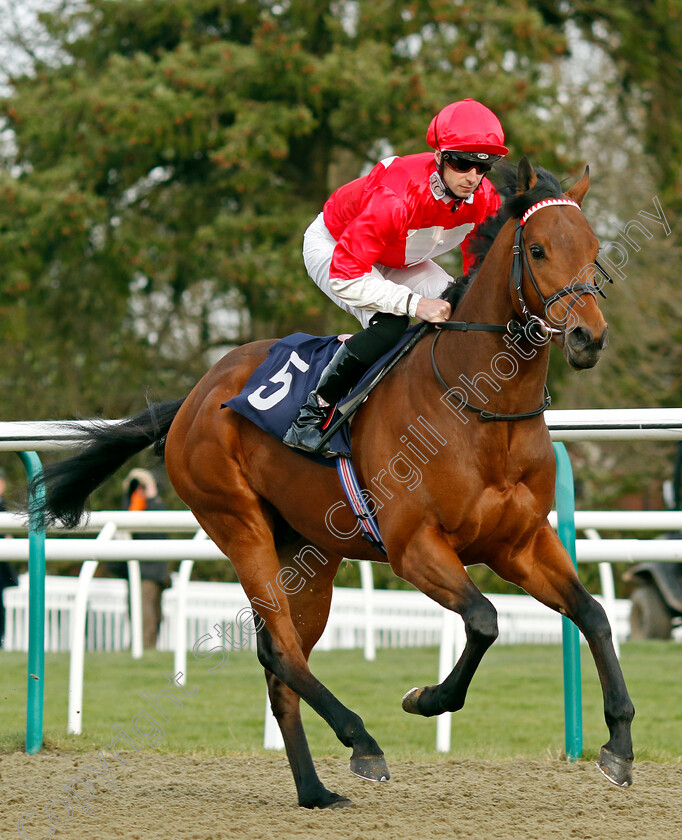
{"x": 484, "y": 498}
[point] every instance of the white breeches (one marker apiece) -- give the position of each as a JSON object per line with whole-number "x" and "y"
{"x": 371, "y": 294}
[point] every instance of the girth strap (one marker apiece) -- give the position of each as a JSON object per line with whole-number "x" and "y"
{"x": 358, "y": 503}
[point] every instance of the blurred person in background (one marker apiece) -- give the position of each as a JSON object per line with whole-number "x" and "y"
{"x": 140, "y": 492}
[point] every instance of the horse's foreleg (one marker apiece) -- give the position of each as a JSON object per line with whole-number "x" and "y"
{"x": 432, "y": 566}
{"x": 546, "y": 572}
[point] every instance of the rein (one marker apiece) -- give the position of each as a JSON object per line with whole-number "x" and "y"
{"x": 483, "y": 413}
{"x": 532, "y": 325}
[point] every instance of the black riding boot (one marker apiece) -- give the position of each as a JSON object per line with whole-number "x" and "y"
{"x": 342, "y": 372}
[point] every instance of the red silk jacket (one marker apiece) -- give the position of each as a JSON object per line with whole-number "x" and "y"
{"x": 398, "y": 215}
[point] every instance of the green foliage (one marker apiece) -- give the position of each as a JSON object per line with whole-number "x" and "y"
{"x": 169, "y": 160}
{"x": 645, "y": 42}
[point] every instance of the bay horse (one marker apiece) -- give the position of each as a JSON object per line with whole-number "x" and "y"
{"x": 453, "y": 451}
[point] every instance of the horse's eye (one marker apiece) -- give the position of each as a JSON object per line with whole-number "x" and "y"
{"x": 537, "y": 252}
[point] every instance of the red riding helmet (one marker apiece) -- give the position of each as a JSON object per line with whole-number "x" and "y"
{"x": 467, "y": 126}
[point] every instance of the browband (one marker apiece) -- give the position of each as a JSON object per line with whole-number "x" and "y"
{"x": 547, "y": 202}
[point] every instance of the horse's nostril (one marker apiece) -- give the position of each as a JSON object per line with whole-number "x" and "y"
{"x": 579, "y": 338}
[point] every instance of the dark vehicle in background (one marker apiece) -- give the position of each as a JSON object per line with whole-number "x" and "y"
{"x": 657, "y": 596}
{"x": 656, "y": 599}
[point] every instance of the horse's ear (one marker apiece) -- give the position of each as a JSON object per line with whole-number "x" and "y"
{"x": 525, "y": 176}
{"x": 580, "y": 188}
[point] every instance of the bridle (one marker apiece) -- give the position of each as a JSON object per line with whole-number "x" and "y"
{"x": 520, "y": 262}
{"x": 532, "y": 327}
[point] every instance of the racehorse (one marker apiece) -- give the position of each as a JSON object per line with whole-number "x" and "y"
{"x": 454, "y": 455}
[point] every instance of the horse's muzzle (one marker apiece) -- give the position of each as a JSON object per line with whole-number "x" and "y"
{"x": 582, "y": 349}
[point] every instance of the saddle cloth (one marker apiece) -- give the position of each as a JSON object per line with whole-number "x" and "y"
{"x": 279, "y": 386}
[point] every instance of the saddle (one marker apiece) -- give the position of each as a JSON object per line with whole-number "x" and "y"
{"x": 279, "y": 386}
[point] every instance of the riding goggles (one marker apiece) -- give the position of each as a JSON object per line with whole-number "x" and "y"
{"x": 464, "y": 161}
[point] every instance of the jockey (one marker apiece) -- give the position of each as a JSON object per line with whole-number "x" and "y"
{"x": 371, "y": 249}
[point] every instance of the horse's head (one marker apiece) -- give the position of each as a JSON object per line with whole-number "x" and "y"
{"x": 558, "y": 277}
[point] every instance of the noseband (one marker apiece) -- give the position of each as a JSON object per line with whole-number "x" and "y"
{"x": 532, "y": 326}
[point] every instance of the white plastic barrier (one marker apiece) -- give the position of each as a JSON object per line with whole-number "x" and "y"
{"x": 616, "y": 424}
{"x": 400, "y": 618}
{"x": 183, "y": 521}
{"x": 107, "y": 623}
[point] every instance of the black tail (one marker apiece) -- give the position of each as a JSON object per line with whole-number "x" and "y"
{"x": 68, "y": 483}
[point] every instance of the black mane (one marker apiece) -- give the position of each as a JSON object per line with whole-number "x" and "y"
{"x": 514, "y": 205}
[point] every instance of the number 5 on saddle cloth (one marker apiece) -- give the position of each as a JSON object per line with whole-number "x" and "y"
{"x": 279, "y": 386}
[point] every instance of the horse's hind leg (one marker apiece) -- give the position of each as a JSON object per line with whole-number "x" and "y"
{"x": 546, "y": 572}
{"x": 284, "y": 702}
{"x": 429, "y": 563}
{"x": 248, "y": 541}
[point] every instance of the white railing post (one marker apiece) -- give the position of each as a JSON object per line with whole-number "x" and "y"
{"x": 11, "y": 617}
{"x": 608, "y": 591}
{"x": 367, "y": 580}
{"x": 180, "y": 649}
{"x": 87, "y": 572}
{"x": 272, "y": 735}
{"x": 452, "y": 643}
{"x": 135, "y": 598}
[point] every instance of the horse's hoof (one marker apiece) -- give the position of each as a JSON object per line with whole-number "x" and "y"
{"x": 338, "y": 802}
{"x": 410, "y": 701}
{"x": 327, "y": 799}
{"x": 370, "y": 767}
{"x": 616, "y": 769}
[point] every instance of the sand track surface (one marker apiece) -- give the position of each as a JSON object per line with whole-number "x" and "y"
{"x": 165, "y": 797}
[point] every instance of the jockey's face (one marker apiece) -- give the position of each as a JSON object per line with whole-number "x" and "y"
{"x": 462, "y": 184}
